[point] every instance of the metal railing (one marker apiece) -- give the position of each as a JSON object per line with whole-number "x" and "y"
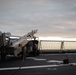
{"x": 57, "y": 45}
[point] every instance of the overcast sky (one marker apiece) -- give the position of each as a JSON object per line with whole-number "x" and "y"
{"x": 55, "y": 18}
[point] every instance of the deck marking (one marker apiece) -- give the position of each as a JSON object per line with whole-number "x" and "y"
{"x": 55, "y": 61}
{"x": 32, "y": 67}
{"x": 31, "y": 58}
{"x": 35, "y": 58}
{"x": 40, "y": 59}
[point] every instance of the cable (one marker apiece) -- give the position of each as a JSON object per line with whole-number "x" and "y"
{"x": 19, "y": 67}
{"x": 16, "y": 71}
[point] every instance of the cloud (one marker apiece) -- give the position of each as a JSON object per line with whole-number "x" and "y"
{"x": 50, "y": 17}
